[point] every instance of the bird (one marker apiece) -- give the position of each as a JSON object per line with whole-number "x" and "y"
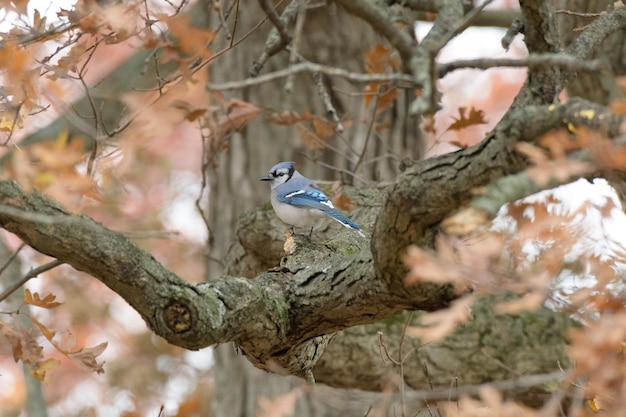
{"x": 298, "y": 201}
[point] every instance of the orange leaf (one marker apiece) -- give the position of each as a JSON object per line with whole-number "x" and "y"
{"x": 311, "y": 141}
{"x": 240, "y": 113}
{"x": 286, "y": 117}
{"x": 474, "y": 117}
{"x": 190, "y": 113}
{"x": 435, "y": 326}
{"x": 428, "y": 124}
{"x": 48, "y": 334}
{"x": 189, "y": 40}
{"x": 39, "y": 369}
{"x": 344, "y": 202}
{"x": 280, "y": 406}
{"x": 34, "y": 299}
{"x": 380, "y": 60}
{"x": 323, "y": 130}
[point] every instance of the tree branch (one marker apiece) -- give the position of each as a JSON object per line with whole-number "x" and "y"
{"x": 427, "y": 192}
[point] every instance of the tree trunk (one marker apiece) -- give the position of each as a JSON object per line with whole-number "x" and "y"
{"x": 234, "y": 185}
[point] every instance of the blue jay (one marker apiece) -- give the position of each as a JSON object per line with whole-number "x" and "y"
{"x": 298, "y": 201}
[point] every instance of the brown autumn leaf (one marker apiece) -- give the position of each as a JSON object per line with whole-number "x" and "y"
{"x": 528, "y": 302}
{"x": 189, "y": 40}
{"x": 618, "y": 106}
{"x": 380, "y": 60}
{"x": 343, "y": 202}
{"x": 68, "y": 62}
{"x": 467, "y": 221}
{"x": 23, "y": 345}
{"x": 34, "y": 299}
{"x": 535, "y": 154}
{"x": 425, "y": 266}
{"x": 47, "y": 333}
{"x": 428, "y": 124}
{"x": 40, "y": 369}
{"x": 190, "y": 112}
{"x": 323, "y": 130}
{"x": 467, "y": 118}
{"x": 61, "y": 154}
{"x": 17, "y": 6}
{"x": 85, "y": 358}
{"x": 239, "y": 114}
{"x": 385, "y": 96}
{"x": 609, "y": 155}
{"x": 12, "y": 119}
{"x": 435, "y": 326}
{"x": 310, "y": 139}
{"x": 279, "y": 406}
{"x": 559, "y": 142}
{"x": 286, "y": 117}
{"x": 558, "y": 172}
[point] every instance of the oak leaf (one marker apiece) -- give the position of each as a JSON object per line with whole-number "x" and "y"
{"x": 285, "y": 117}
{"x": 310, "y": 139}
{"x": 380, "y": 60}
{"x": 34, "y": 299}
{"x": 23, "y": 345}
{"x": 40, "y": 369}
{"x": 85, "y": 358}
{"x": 467, "y": 118}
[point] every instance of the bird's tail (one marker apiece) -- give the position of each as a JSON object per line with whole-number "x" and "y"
{"x": 345, "y": 221}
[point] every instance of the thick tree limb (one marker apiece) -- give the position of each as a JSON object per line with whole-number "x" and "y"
{"x": 316, "y": 292}
{"x": 426, "y": 193}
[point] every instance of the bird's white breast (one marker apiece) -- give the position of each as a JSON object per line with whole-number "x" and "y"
{"x": 295, "y": 216}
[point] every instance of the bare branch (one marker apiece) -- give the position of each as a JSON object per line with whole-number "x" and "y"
{"x": 381, "y": 23}
{"x": 278, "y": 38}
{"x": 565, "y": 61}
{"x": 358, "y": 78}
{"x": 31, "y": 274}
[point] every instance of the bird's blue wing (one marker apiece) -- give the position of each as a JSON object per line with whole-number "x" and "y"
{"x": 313, "y": 198}
{"x": 307, "y": 197}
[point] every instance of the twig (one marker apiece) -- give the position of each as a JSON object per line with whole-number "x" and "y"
{"x": 536, "y": 60}
{"x": 382, "y": 347}
{"x": 278, "y": 38}
{"x": 11, "y": 258}
{"x": 525, "y": 381}
{"x": 36, "y": 217}
{"x": 13, "y": 124}
{"x": 359, "y": 78}
{"x": 279, "y": 25}
{"x": 578, "y": 14}
{"x": 204, "y": 184}
{"x": 31, "y": 274}
{"x": 370, "y": 127}
{"x": 341, "y": 170}
{"x": 380, "y": 22}
{"x": 320, "y": 86}
{"x": 401, "y": 359}
{"x": 517, "y": 25}
{"x": 297, "y": 36}
{"x": 235, "y": 21}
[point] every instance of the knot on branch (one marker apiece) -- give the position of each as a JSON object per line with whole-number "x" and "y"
{"x": 177, "y": 317}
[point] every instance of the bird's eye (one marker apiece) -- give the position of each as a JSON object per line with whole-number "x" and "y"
{"x": 279, "y": 174}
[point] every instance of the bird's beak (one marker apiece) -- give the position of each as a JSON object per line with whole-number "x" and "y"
{"x": 266, "y": 178}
